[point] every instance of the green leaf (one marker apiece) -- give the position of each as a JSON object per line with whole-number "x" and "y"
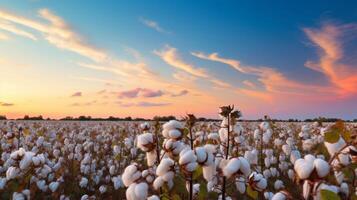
{"x": 328, "y": 195}
{"x": 332, "y": 137}
{"x": 197, "y": 173}
{"x": 252, "y": 193}
{"x": 346, "y": 135}
{"x": 176, "y": 197}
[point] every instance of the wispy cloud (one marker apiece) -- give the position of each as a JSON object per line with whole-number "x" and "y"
{"x": 89, "y": 103}
{"x": 153, "y": 24}
{"x": 76, "y": 94}
{"x": 170, "y": 55}
{"x": 4, "y": 25}
{"x": 143, "y": 104}
{"x": 140, "y": 92}
{"x": 4, "y": 36}
{"x": 329, "y": 40}
{"x": 6, "y": 104}
{"x": 182, "y": 93}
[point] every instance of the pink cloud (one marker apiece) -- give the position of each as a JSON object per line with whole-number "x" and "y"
{"x": 141, "y": 92}
{"x": 76, "y": 94}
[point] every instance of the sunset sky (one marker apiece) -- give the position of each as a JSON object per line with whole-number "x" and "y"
{"x": 143, "y": 58}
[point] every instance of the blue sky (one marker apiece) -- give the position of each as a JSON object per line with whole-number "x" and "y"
{"x": 258, "y": 34}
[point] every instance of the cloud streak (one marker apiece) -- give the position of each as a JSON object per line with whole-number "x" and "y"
{"x": 329, "y": 41}
{"x": 141, "y": 92}
{"x": 153, "y": 25}
{"x": 76, "y": 94}
{"x": 6, "y": 104}
{"x": 170, "y": 56}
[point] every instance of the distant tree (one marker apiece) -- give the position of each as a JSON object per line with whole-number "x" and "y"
{"x": 3, "y": 117}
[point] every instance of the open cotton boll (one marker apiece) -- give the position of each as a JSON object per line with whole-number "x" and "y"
{"x": 172, "y": 124}
{"x": 41, "y": 184}
{"x": 26, "y": 160}
{"x": 344, "y": 188}
{"x": 244, "y": 166}
{"x": 291, "y": 174}
{"x": 130, "y": 192}
{"x": 53, "y": 186}
{"x": 303, "y": 168}
{"x": 240, "y": 185}
{"x": 252, "y": 156}
{"x": 117, "y": 182}
{"x": 333, "y": 148}
{"x": 201, "y": 154}
{"x": 278, "y": 184}
{"x": 144, "y": 141}
{"x": 130, "y": 174}
{"x": 322, "y": 167}
{"x": 2, "y": 183}
{"x": 85, "y": 197}
{"x": 268, "y": 195}
{"x": 209, "y": 171}
{"x": 174, "y": 133}
{"x": 83, "y": 183}
{"x": 164, "y": 166}
{"x": 153, "y": 197}
{"x": 141, "y": 191}
{"x": 232, "y": 167}
{"x": 295, "y": 155}
{"x": 279, "y": 196}
{"x": 12, "y": 172}
{"x": 158, "y": 183}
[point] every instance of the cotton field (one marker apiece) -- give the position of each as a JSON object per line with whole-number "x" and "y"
{"x": 185, "y": 159}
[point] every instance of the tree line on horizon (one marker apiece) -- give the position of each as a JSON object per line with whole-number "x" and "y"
{"x": 167, "y": 118}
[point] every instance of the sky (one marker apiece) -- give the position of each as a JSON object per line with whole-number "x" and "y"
{"x": 141, "y": 59}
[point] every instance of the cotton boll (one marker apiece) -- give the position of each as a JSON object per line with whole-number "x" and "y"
{"x": 85, "y": 197}
{"x": 278, "y": 184}
{"x": 344, "y": 188}
{"x": 153, "y": 197}
{"x": 267, "y": 173}
{"x": 262, "y": 184}
{"x": 18, "y": 196}
{"x": 12, "y": 172}
{"x": 268, "y": 195}
{"x": 295, "y": 155}
{"x": 333, "y": 148}
{"x": 291, "y": 174}
{"x": 53, "y": 186}
{"x": 117, "y": 182}
{"x": 232, "y": 167}
{"x": 240, "y": 185}
{"x": 303, "y": 168}
{"x": 2, "y": 183}
{"x": 209, "y": 171}
{"x": 158, "y": 183}
{"x": 130, "y": 174}
{"x": 279, "y": 196}
{"x": 175, "y": 134}
{"x": 322, "y": 167}
{"x": 83, "y": 183}
{"x": 286, "y": 149}
{"x": 173, "y": 124}
{"x": 41, "y": 184}
{"x": 102, "y": 189}
{"x": 130, "y": 192}
{"x": 244, "y": 166}
{"x": 267, "y": 162}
